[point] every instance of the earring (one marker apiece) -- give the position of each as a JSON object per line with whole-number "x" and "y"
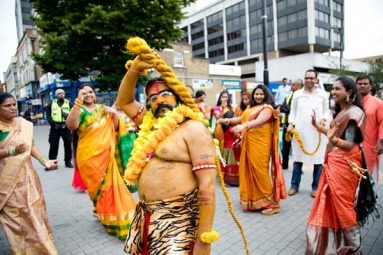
{"x": 348, "y": 99}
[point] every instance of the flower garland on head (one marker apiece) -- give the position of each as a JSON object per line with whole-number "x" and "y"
{"x": 152, "y": 132}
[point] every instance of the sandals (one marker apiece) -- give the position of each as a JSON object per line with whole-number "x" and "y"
{"x": 271, "y": 209}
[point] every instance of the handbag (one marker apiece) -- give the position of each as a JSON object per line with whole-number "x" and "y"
{"x": 366, "y": 204}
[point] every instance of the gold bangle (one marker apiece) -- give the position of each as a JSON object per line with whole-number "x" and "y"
{"x": 10, "y": 151}
{"x": 78, "y": 101}
{"x": 227, "y": 122}
{"x": 77, "y": 107}
{"x": 42, "y": 160}
{"x": 248, "y": 125}
{"x": 339, "y": 143}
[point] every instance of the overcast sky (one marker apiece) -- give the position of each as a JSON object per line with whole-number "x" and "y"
{"x": 363, "y": 30}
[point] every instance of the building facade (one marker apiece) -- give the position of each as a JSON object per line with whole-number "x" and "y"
{"x": 230, "y": 32}
{"x": 23, "y": 10}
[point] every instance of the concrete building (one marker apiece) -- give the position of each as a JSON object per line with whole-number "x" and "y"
{"x": 230, "y": 31}
{"x": 23, "y": 10}
{"x": 198, "y": 74}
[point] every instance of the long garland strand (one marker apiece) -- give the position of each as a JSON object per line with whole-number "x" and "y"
{"x": 288, "y": 138}
{"x": 230, "y": 204}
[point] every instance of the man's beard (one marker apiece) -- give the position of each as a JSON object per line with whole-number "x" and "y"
{"x": 162, "y": 107}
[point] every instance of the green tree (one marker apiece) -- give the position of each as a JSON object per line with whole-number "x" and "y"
{"x": 81, "y": 36}
{"x": 376, "y": 72}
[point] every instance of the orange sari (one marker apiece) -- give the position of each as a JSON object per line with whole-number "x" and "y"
{"x": 22, "y": 204}
{"x": 258, "y": 189}
{"x": 99, "y": 170}
{"x": 332, "y": 225}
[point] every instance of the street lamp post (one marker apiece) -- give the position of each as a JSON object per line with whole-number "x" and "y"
{"x": 265, "y": 60}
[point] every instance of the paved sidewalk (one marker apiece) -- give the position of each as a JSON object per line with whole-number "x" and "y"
{"x": 77, "y": 232}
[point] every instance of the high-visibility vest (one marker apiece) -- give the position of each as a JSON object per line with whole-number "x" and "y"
{"x": 288, "y": 102}
{"x": 56, "y": 113}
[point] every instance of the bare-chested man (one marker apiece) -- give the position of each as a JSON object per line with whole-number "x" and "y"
{"x": 177, "y": 181}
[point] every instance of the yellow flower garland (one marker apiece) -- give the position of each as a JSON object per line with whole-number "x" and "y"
{"x": 152, "y": 132}
{"x": 288, "y": 138}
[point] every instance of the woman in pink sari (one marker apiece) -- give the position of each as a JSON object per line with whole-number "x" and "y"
{"x": 22, "y": 205}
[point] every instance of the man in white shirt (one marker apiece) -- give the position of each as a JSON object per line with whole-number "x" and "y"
{"x": 305, "y": 101}
{"x": 282, "y": 92}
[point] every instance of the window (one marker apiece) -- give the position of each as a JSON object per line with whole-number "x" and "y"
{"x": 291, "y": 2}
{"x": 235, "y": 48}
{"x": 215, "y": 41}
{"x": 302, "y": 32}
{"x": 302, "y": 15}
{"x": 197, "y": 24}
{"x": 216, "y": 53}
{"x": 292, "y": 18}
{"x": 292, "y": 34}
{"x": 178, "y": 58}
{"x": 282, "y": 21}
{"x": 283, "y": 37}
{"x": 337, "y": 7}
{"x": 281, "y": 5}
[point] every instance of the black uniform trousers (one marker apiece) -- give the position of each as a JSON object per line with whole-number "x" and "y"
{"x": 54, "y": 141}
{"x": 285, "y": 149}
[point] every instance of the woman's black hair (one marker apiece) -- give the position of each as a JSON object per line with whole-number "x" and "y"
{"x": 228, "y": 99}
{"x": 227, "y": 115}
{"x": 354, "y": 97}
{"x": 269, "y": 98}
{"x": 4, "y": 96}
{"x": 242, "y": 105}
{"x": 87, "y": 85}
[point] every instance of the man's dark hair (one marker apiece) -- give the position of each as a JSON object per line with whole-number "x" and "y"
{"x": 312, "y": 71}
{"x": 284, "y": 79}
{"x": 364, "y": 76}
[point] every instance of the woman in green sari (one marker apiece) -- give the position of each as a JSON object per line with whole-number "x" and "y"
{"x": 102, "y": 152}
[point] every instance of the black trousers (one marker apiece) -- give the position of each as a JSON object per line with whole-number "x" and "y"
{"x": 285, "y": 149}
{"x": 54, "y": 141}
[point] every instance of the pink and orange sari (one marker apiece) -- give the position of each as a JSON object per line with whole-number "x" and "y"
{"x": 22, "y": 205}
{"x": 332, "y": 225}
{"x": 258, "y": 189}
{"x": 99, "y": 165}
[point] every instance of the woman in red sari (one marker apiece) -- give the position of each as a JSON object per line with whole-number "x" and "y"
{"x": 332, "y": 225}
{"x": 259, "y": 188}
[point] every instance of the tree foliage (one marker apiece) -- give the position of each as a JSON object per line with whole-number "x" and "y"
{"x": 376, "y": 72}
{"x": 82, "y": 36}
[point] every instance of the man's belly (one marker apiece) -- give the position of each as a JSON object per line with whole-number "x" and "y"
{"x": 165, "y": 179}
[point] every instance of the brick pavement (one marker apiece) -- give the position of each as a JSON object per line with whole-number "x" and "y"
{"x": 77, "y": 232}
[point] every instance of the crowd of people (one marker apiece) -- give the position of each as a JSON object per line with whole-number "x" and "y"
{"x": 165, "y": 150}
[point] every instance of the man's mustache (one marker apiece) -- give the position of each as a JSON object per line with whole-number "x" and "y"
{"x": 163, "y": 106}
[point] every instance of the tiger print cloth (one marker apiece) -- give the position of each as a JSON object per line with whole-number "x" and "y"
{"x": 170, "y": 230}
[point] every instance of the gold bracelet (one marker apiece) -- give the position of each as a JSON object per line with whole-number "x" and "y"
{"x": 42, "y": 160}
{"x": 78, "y": 101}
{"x": 321, "y": 128}
{"x": 227, "y": 122}
{"x": 248, "y": 125}
{"x": 209, "y": 237}
{"x": 77, "y": 107}
{"x": 339, "y": 143}
{"x": 10, "y": 151}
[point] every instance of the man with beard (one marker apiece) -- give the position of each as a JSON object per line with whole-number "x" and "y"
{"x": 173, "y": 161}
{"x": 373, "y": 135}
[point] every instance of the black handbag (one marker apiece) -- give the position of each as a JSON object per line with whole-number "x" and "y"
{"x": 366, "y": 204}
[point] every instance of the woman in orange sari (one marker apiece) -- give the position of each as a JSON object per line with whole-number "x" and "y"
{"x": 258, "y": 129}
{"x": 22, "y": 206}
{"x": 97, "y": 162}
{"x": 332, "y": 225}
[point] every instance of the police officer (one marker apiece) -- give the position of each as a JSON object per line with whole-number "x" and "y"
{"x": 57, "y": 112}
